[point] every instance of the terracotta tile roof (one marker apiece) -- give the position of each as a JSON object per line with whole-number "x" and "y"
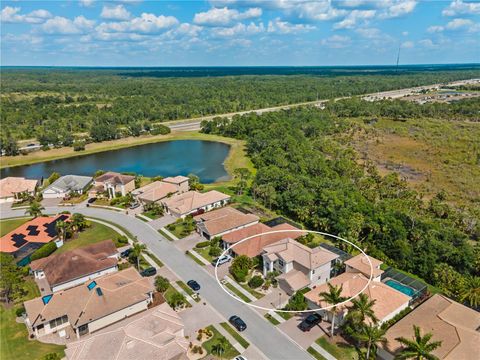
{"x": 295, "y": 279}
{"x": 77, "y": 263}
{"x": 155, "y": 191}
{"x": 455, "y": 325}
{"x": 192, "y": 200}
{"x": 157, "y": 334}
{"x": 387, "y": 299}
{"x": 81, "y": 305}
{"x": 290, "y": 250}
{"x": 39, "y": 230}
{"x": 224, "y": 219}
{"x": 176, "y": 179}
{"x": 360, "y": 263}
{"x": 115, "y": 178}
{"x": 10, "y": 186}
{"x": 254, "y": 246}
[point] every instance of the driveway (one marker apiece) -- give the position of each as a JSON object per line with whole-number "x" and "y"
{"x": 197, "y": 317}
{"x": 304, "y": 339}
{"x": 189, "y": 242}
{"x": 276, "y": 299}
{"x": 273, "y": 343}
{"x": 162, "y": 222}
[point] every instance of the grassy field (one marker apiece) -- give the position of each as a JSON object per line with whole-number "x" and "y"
{"x": 432, "y": 154}
{"x": 338, "y": 351}
{"x": 8, "y": 225}
{"x": 230, "y": 351}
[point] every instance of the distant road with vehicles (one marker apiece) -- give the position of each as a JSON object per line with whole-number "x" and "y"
{"x": 194, "y": 124}
{"x": 267, "y": 338}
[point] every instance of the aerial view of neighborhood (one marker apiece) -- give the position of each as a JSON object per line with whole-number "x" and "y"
{"x": 240, "y": 180}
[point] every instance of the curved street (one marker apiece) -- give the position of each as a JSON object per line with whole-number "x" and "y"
{"x": 274, "y": 346}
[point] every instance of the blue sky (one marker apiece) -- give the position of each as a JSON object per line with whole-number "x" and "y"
{"x": 232, "y": 32}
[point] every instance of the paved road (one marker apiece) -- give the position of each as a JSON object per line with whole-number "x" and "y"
{"x": 274, "y": 344}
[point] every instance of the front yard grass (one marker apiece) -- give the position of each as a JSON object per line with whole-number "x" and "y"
{"x": 194, "y": 258}
{"x": 169, "y": 293}
{"x": 235, "y": 335}
{"x": 9, "y": 225}
{"x": 182, "y": 227}
{"x": 154, "y": 258}
{"x": 340, "y": 352}
{"x": 165, "y": 235}
{"x": 271, "y": 319}
{"x": 315, "y": 353}
{"x": 252, "y": 291}
{"x": 188, "y": 290}
{"x": 234, "y": 290}
{"x": 151, "y": 215}
{"x": 204, "y": 253}
{"x": 230, "y": 351}
{"x": 285, "y": 315}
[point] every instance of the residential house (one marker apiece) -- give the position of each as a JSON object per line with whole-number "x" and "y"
{"x": 299, "y": 265}
{"x": 156, "y": 334}
{"x": 32, "y": 235}
{"x": 113, "y": 183}
{"x": 12, "y": 188}
{"x": 181, "y": 182}
{"x": 193, "y": 202}
{"x": 360, "y": 264}
{"x": 258, "y": 239}
{"x": 223, "y": 221}
{"x": 90, "y": 307}
{"x": 65, "y": 185}
{"x": 75, "y": 267}
{"x": 156, "y": 191}
{"x": 454, "y": 324}
{"x": 388, "y": 301}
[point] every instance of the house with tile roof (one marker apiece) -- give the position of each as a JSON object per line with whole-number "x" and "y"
{"x": 194, "y": 203}
{"x": 28, "y": 237}
{"x": 360, "y": 264}
{"x": 77, "y": 266}
{"x": 181, "y": 182}
{"x": 299, "y": 266}
{"x": 223, "y": 221}
{"x": 158, "y": 190}
{"x": 12, "y": 188}
{"x": 67, "y": 184}
{"x": 455, "y": 325}
{"x": 90, "y": 307}
{"x": 113, "y": 182}
{"x": 157, "y": 333}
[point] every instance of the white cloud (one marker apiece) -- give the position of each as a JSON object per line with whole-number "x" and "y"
{"x": 369, "y": 33}
{"x": 405, "y": 33}
{"x": 24, "y": 38}
{"x": 316, "y": 10}
{"x": 238, "y": 29}
{"x": 11, "y": 15}
{"x": 86, "y": 3}
{"x": 427, "y": 43}
{"x": 61, "y": 25}
{"x": 351, "y": 20}
{"x": 146, "y": 23}
{"x": 407, "y": 45}
{"x": 459, "y": 24}
{"x": 284, "y": 27}
{"x": 336, "y": 41}
{"x": 459, "y": 7}
{"x": 225, "y": 16}
{"x": 435, "y": 29}
{"x": 115, "y": 13}
{"x": 396, "y": 8}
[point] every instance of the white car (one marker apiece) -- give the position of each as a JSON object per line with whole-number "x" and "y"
{"x": 221, "y": 260}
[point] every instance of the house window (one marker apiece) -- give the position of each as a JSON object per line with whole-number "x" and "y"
{"x": 58, "y": 321}
{"x": 313, "y": 271}
{"x": 280, "y": 262}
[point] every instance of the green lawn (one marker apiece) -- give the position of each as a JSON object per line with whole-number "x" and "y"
{"x": 234, "y": 290}
{"x": 230, "y": 351}
{"x": 194, "y": 258}
{"x": 168, "y": 295}
{"x": 252, "y": 291}
{"x": 188, "y": 290}
{"x": 151, "y": 215}
{"x": 95, "y": 233}
{"x": 182, "y": 227}
{"x": 340, "y": 352}
{"x": 8, "y": 225}
{"x": 285, "y": 315}
{"x": 271, "y": 319}
{"x": 204, "y": 253}
{"x": 164, "y": 234}
{"x": 235, "y": 335}
{"x": 154, "y": 258}
{"x": 315, "y": 354}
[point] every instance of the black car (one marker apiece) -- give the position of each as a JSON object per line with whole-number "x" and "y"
{"x": 91, "y": 200}
{"x": 193, "y": 285}
{"x": 125, "y": 253}
{"x": 238, "y": 323}
{"x": 309, "y": 322}
{"x": 148, "y": 272}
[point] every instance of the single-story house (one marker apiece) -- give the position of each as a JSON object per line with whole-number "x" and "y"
{"x": 157, "y": 333}
{"x": 388, "y": 301}
{"x": 32, "y": 235}
{"x": 454, "y": 324}
{"x": 90, "y": 307}
{"x": 181, "y": 182}
{"x": 154, "y": 192}
{"x": 113, "y": 183}
{"x": 255, "y": 245}
{"x": 75, "y": 267}
{"x": 67, "y": 184}
{"x": 360, "y": 264}
{"x": 12, "y": 188}
{"x": 193, "y": 202}
{"x": 223, "y": 221}
{"x": 299, "y": 265}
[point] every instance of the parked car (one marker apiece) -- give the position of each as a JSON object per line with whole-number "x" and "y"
{"x": 222, "y": 260}
{"x": 240, "y": 357}
{"x": 309, "y": 322}
{"x": 134, "y": 205}
{"x": 126, "y": 253}
{"x": 238, "y": 323}
{"x": 91, "y": 200}
{"x": 193, "y": 285}
{"x": 149, "y": 272}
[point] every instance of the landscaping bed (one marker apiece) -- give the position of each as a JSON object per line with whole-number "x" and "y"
{"x": 209, "y": 345}
{"x": 235, "y": 335}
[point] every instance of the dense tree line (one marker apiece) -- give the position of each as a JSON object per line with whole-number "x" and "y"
{"x": 53, "y": 104}
{"x": 304, "y": 173}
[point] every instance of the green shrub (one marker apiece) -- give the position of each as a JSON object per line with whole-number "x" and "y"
{"x": 51, "y": 356}
{"x": 171, "y": 227}
{"x": 202, "y": 244}
{"x": 19, "y": 311}
{"x": 122, "y": 239}
{"x": 255, "y": 282}
{"x": 161, "y": 284}
{"x": 160, "y": 130}
{"x": 214, "y": 251}
{"x": 78, "y": 145}
{"x": 44, "y": 251}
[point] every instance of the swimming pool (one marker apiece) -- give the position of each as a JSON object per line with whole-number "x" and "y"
{"x": 400, "y": 287}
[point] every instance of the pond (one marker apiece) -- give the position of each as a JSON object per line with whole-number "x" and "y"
{"x": 179, "y": 157}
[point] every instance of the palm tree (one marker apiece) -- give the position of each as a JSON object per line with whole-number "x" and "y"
{"x": 78, "y": 222}
{"x": 62, "y": 228}
{"x": 362, "y": 309}
{"x": 35, "y": 209}
{"x": 137, "y": 250}
{"x": 333, "y": 296}
{"x": 370, "y": 335}
{"x": 220, "y": 346}
{"x": 470, "y": 292}
{"x": 419, "y": 348}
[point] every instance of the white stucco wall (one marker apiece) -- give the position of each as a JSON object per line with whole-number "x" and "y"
{"x": 117, "y": 316}
{"x": 320, "y": 275}
{"x": 84, "y": 279}
{"x": 49, "y": 194}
